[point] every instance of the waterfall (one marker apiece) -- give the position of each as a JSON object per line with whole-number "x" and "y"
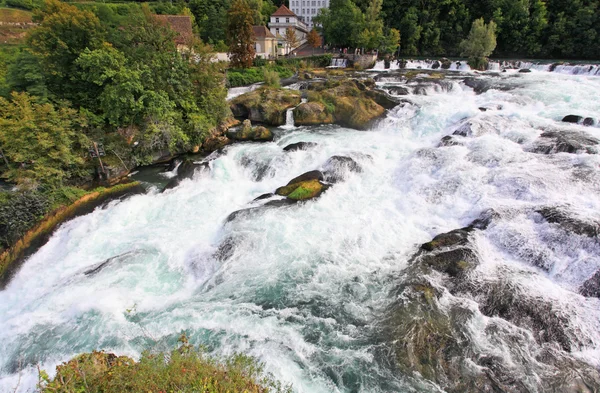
{"x": 496, "y": 66}
{"x": 289, "y": 116}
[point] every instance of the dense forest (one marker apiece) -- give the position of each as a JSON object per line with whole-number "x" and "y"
{"x": 526, "y": 28}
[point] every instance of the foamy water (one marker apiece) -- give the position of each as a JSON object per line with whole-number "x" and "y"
{"x": 306, "y": 285}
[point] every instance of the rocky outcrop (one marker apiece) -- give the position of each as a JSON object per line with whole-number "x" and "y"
{"x": 350, "y": 103}
{"x": 572, "y": 119}
{"x": 426, "y": 328}
{"x": 312, "y": 113}
{"x": 249, "y": 133}
{"x": 265, "y": 105}
{"x": 551, "y": 142}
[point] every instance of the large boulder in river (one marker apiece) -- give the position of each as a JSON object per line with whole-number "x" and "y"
{"x": 551, "y": 142}
{"x": 349, "y": 103}
{"x": 312, "y": 113}
{"x": 249, "y": 133}
{"x": 265, "y": 105}
{"x": 306, "y": 186}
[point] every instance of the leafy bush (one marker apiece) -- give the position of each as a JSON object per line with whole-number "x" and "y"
{"x": 313, "y": 61}
{"x": 271, "y": 78}
{"x": 19, "y": 212}
{"x": 249, "y": 76}
{"x": 185, "y": 369}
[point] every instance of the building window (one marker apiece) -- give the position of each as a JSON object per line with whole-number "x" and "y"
{"x": 276, "y": 20}
{"x": 277, "y": 30}
{"x": 287, "y": 20}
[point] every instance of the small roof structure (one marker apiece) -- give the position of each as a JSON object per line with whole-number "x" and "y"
{"x": 283, "y": 11}
{"x": 262, "y": 32}
{"x": 180, "y": 24}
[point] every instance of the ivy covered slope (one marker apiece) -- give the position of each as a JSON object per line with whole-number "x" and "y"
{"x": 185, "y": 369}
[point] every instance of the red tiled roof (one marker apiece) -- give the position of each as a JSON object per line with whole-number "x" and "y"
{"x": 262, "y": 32}
{"x": 283, "y": 11}
{"x": 180, "y": 24}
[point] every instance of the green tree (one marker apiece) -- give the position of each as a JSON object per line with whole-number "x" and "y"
{"x": 39, "y": 140}
{"x": 26, "y": 74}
{"x": 240, "y": 34}
{"x": 480, "y": 43}
{"x": 371, "y": 36}
{"x": 341, "y": 24}
{"x": 390, "y": 42}
{"x": 64, "y": 32}
{"x": 410, "y": 31}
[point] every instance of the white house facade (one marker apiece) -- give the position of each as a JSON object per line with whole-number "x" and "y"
{"x": 280, "y": 21}
{"x": 308, "y": 9}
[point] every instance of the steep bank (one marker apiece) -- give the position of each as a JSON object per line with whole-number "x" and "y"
{"x": 11, "y": 258}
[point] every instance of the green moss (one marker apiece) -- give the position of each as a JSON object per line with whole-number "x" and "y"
{"x": 306, "y": 190}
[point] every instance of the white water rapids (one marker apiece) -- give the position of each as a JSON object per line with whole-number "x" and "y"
{"x": 306, "y": 285}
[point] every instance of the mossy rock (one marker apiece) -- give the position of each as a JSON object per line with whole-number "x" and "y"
{"x": 312, "y": 113}
{"x": 249, "y": 133}
{"x": 356, "y": 112}
{"x": 266, "y": 105}
{"x": 303, "y": 187}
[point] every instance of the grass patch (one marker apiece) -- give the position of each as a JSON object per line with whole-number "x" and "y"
{"x": 249, "y": 76}
{"x": 185, "y": 369}
{"x": 12, "y": 15}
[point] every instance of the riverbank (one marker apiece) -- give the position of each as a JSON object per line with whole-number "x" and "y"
{"x": 34, "y": 238}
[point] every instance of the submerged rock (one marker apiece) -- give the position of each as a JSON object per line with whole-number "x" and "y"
{"x": 337, "y": 168}
{"x": 569, "y": 222}
{"x": 185, "y": 171}
{"x": 299, "y": 146}
{"x": 591, "y": 286}
{"x": 551, "y": 142}
{"x": 449, "y": 140}
{"x": 588, "y": 122}
{"x": 524, "y": 70}
{"x": 572, "y": 119}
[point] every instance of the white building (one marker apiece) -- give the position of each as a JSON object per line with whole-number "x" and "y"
{"x": 308, "y": 9}
{"x": 280, "y": 21}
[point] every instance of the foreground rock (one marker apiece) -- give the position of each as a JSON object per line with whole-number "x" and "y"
{"x": 249, "y": 133}
{"x": 265, "y": 105}
{"x": 350, "y": 103}
{"x": 426, "y": 327}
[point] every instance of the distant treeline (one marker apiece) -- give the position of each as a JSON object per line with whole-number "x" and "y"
{"x": 525, "y": 28}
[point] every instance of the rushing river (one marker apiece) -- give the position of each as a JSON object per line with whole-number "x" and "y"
{"x": 306, "y": 288}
